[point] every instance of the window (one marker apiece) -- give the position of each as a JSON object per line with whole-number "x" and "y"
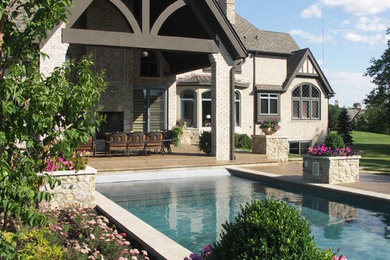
{"x": 306, "y": 102}
{"x": 238, "y": 108}
{"x": 269, "y": 104}
{"x": 299, "y": 147}
{"x": 149, "y": 64}
{"x": 188, "y": 107}
{"x": 206, "y": 109}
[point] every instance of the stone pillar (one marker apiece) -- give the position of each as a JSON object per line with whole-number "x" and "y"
{"x": 221, "y": 65}
{"x": 275, "y": 147}
{"x": 229, "y": 8}
{"x": 56, "y": 50}
{"x": 172, "y": 105}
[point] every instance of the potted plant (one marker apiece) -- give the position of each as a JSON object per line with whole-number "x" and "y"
{"x": 205, "y": 142}
{"x": 269, "y": 127}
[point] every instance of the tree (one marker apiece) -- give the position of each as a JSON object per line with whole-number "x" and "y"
{"x": 379, "y": 97}
{"x": 40, "y": 117}
{"x": 344, "y": 126}
{"x": 333, "y": 116}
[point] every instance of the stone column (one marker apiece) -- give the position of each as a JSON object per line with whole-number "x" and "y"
{"x": 275, "y": 147}
{"x": 172, "y": 105}
{"x": 56, "y": 50}
{"x": 221, "y": 65}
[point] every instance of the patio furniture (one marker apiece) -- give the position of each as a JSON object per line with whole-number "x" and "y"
{"x": 116, "y": 142}
{"x": 136, "y": 141}
{"x": 155, "y": 141}
{"x": 90, "y": 146}
{"x": 168, "y": 139}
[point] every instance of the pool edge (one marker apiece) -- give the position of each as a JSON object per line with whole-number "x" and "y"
{"x": 259, "y": 175}
{"x": 156, "y": 243}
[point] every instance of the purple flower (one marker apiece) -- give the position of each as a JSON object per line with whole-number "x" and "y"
{"x": 194, "y": 256}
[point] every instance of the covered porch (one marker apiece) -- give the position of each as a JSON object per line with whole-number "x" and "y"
{"x": 142, "y": 45}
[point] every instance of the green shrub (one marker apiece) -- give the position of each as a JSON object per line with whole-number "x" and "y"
{"x": 243, "y": 141}
{"x": 267, "y": 229}
{"x": 334, "y": 140}
{"x": 34, "y": 245}
{"x": 175, "y": 133}
{"x": 205, "y": 142}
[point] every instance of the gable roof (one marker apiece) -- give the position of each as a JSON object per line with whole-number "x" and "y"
{"x": 257, "y": 40}
{"x": 295, "y": 62}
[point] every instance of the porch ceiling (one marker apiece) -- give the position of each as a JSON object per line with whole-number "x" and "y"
{"x": 178, "y": 28}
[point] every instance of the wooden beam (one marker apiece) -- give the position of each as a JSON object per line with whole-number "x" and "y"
{"x": 78, "y": 8}
{"x": 144, "y": 41}
{"x": 128, "y": 14}
{"x": 164, "y": 16}
{"x": 145, "y": 16}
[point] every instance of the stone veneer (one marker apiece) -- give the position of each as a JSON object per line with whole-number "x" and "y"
{"x": 331, "y": 170}
{"x": 190, "y": 136}
{"x": 275, "y": 147}
{"x": 76, "y": 189}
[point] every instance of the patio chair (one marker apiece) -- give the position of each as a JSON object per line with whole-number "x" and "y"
{"x": 116, "y": 142}
{"x": 136, "y": 141}
{"x": 155, "y": 141}
{"x": 90, "y": 146}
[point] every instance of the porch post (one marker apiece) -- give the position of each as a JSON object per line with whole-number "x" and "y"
{"x": 221, "y": 65}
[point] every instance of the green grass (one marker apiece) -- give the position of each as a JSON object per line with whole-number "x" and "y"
{"x": 374, "y": 149}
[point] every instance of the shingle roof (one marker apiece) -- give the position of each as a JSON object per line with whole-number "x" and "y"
{"x": 258, "y": 40}
{"x": 205, "y": 80}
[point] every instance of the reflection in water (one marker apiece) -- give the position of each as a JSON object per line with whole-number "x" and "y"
{"x": 192, "y": 212}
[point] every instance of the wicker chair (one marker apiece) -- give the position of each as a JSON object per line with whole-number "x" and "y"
{"x": 116, "y": 142}
{"x": 155, "y": 141}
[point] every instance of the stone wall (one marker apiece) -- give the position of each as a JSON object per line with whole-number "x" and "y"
{"x": 275, "y": 147}
{"x": 190, "y": 136}
{"x": 76, "y": 189}
{"x": 331, "y": 170}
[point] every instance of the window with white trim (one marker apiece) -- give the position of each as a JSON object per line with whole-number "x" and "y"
{"x": 269, "y": 104}
{"x": 306, "y": 102}
{"x": 238, "y": 108}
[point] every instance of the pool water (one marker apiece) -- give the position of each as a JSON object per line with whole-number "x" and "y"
{"x": 192, "y": 211}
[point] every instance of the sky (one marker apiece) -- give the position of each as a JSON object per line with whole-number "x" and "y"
{"x": 343, "y": 35}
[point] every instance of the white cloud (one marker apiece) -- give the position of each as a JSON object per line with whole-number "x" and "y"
{"x": 312, "y": 11}
{"x": 373, "y": 24}
{"x": 372, "y": 40}
{"x": 355, "y": 7}
{"x": 308, "y": 36}
{"x": 350, "y": 87}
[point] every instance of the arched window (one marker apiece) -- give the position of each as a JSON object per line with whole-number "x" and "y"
{"x": 188, "y": 107}
{"x": 238, "y": 108}
{"x": 149, "y": 64}
{"x": 206, "y": 108}
{"x": 306, "y": 102}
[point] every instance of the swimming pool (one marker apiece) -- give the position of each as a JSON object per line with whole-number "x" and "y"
{"x": 191, "y": 211}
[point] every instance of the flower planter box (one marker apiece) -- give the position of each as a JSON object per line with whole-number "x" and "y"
{"x": 332, "y": 170}
{"x": 275, "y": 147}
{"x": 76, "y": 189}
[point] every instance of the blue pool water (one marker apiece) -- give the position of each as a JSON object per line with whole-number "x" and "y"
{"x": 191, "y": 212}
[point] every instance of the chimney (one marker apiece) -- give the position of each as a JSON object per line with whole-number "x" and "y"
{"x": 229, "y": 8}
{"x": 336, "y": 103}
{"x": 359, "y": 106}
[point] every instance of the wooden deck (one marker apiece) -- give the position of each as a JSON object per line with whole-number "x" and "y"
{"x": 184, "y": 156}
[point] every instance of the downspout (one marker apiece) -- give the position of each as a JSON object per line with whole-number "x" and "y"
{"x": 254, "y": 94}
{"x": 233, "y": 108}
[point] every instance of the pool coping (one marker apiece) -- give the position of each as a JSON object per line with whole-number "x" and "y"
{"x": 260, "y": 175}
{"x": 153, "y": 241}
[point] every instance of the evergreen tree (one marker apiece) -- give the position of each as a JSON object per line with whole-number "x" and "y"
{"x": 379, "y": 97}
{"x": 333, "y": 116}
{"x": 344, "y": 126}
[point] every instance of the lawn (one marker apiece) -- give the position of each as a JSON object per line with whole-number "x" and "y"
{"x": 374, "y": 149}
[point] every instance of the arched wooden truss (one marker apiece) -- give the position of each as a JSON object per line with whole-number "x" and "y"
{"x": 145, "y": 37}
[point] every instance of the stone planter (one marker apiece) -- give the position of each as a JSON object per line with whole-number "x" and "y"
{"x": 76, "y": 189}
{"x": 275, "y": 147}
{"x": 332, "y": 170}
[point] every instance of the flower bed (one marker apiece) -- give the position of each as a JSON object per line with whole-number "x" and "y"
{"x": 324, "y": 164}
{"x": 72, "y": 234}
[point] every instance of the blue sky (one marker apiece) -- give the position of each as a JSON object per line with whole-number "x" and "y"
{"x": 354, "y": 33}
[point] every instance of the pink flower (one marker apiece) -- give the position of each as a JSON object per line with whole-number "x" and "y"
{"x": 123, "y": 234}
{"x": 92, "y": 236}
{"x": 123, "y": 252}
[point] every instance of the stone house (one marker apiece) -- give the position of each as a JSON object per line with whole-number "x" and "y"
{"x": 197, "y": 62}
